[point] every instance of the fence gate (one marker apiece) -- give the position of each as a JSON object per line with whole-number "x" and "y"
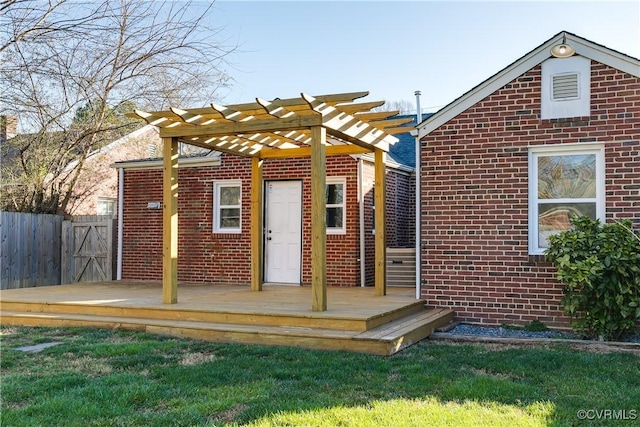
{"x": 87, "y": 249}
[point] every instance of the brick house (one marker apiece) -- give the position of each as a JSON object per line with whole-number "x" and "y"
{"x": 96, "y": 190}
{"x": 97, "y": 187}
{"x": 509, "y": 162}
{"x": 215, "y": 248}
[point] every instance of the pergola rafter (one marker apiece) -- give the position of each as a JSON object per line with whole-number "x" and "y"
{"x": 308, "y": 126}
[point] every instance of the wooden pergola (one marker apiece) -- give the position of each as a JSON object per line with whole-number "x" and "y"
{"x": 308, "y": 126}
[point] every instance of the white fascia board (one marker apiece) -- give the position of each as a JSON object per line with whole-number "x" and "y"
{"x": 602, "y": 54}
{"x": 582, "y": 46}
{"x": 483, "y": 90}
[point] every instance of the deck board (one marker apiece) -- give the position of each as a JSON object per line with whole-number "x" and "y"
{"x": 356, "y": 319}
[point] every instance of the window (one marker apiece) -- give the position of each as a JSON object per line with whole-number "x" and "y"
{"x": 564, "y": 181}
{"x": 227, "y": 206}
{"x": 106, "y": 206}
{"x": 336, "y": 206}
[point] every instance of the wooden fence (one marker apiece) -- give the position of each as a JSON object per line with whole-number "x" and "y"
{"x": 44, "y": 250}
{"x": 29, "y": 250}
{"x": 87, "y": 249}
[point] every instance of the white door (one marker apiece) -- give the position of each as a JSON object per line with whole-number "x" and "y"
{"x": 283, "y": 232}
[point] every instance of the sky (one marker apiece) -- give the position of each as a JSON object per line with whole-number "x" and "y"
{"x": 393, "y": 48}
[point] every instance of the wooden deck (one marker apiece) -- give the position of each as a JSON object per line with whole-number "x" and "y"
{"x": 356, "y": 319}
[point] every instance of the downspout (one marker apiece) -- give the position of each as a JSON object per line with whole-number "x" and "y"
{"x": 417, "y": 198}
{"x": 120, "y": 222}
{"x": 361, "y": 213}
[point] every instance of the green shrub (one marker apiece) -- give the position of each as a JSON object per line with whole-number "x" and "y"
{"x": 599, "y": 265}
{"x": 536, "y": 326}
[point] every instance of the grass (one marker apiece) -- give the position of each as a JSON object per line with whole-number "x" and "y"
{"x": 111, "y": 378}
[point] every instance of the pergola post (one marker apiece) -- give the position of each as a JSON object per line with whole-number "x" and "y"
{"x": 170, "y": 221}
{"x": 380, "y": 238}
{"x": 256, "y": 224}
{"x": 318, "y": 219}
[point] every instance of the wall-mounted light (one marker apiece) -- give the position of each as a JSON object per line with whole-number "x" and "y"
{"x": 562, "y": 50}
{"x": 154, "y": 205}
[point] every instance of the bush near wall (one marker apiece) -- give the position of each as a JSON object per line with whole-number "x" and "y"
{"x": 599, "y": 265}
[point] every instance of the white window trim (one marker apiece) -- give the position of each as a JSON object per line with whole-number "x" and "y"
{"x": 573, "y": 149}
{"x": 332, "y": 181}
{"x": 217, "y": 207}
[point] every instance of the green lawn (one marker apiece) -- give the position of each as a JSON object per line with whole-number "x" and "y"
{"x": 107, "y": 378}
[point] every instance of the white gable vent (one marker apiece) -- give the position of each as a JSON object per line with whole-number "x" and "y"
{"x": 565, "y": 86}
{"x": 152, "y": 151}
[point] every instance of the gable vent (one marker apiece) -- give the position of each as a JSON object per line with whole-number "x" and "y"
{"x": 565, "y": 86}
{"x": 152, "y": 151}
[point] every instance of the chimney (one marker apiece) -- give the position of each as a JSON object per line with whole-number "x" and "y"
{"x": 8, "y": 127}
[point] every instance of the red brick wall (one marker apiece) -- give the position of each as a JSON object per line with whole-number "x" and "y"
{"x": 400, "y": 205}
{"x": 475, "y": 199}
{"x": 400, "y": 208}
{"x": 368, "y": 181}
{"x": 225, "y": 258}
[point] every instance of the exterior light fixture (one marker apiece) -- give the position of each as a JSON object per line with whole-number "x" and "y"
{"x": 562, "y": 50}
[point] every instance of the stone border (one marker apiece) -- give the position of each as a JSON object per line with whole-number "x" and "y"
{"x": 582, "y": 344}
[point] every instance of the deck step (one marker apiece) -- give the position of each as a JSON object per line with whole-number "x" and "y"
{"x": 404, "y": 332}
{"x": 187, "y": 314}
{"x": 383, "y": 340}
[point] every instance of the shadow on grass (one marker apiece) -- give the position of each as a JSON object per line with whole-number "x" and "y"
{"x": 114, "y": 378}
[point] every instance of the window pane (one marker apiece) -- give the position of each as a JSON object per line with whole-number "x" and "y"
{"x": 106, "y": 207}
{"x": 229, "y": 195}
{"x": 229, "y": 218}
{"x": 567, "y": 176}
{"x": 554, "y": 218}
{"x": 334, "y": 194}
{"x": 334, "y": 217}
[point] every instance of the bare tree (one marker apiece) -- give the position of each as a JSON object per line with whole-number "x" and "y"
{"x": 70, "y": 70}
{"x": 404, "y": 107}
{"x": 26, "y": 20}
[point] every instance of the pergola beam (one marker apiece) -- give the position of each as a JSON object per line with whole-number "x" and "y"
{"x": 359, "y": 107}
{"x": 275, "y": 109}
{"x": 350, "y": 128}
{"x": 389, "y": 123}
{"x": 377, "y": 115}
{"x": 194, "y": 119}
{"x": 330, "y": 150}
{"x": 295, "y": 122}
{"x": 254, "y": 108}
